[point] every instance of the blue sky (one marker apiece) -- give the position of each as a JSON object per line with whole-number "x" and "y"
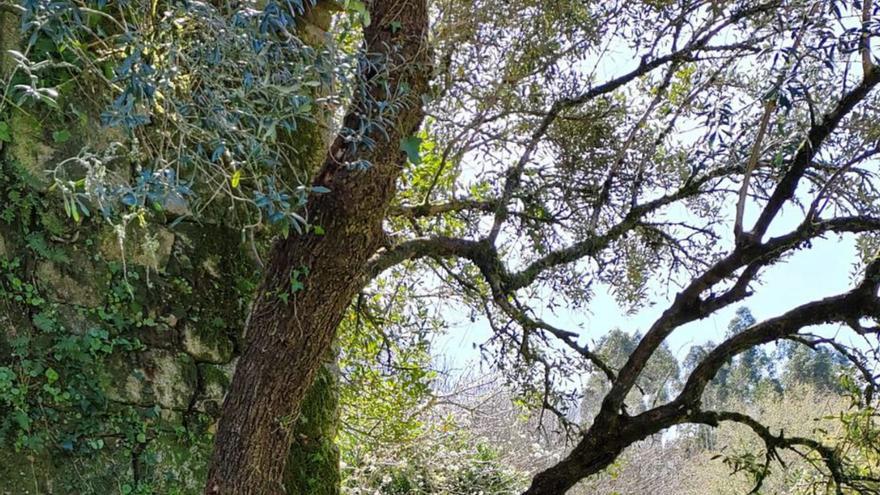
{"x": 822, "y": 270}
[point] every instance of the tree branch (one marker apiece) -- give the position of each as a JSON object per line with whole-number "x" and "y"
{"x": 773, "y": 442}
{"x": 857, "y": 303}
{"x": 804, "y": 157}
{"x": 686, "y": 53}
{"x": 687, "y": 305}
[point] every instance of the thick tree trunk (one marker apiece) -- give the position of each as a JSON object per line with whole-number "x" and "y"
{"x": 290, "y": 329}
{"x": 600, "y": 446}
{"x": 594, "y": 452}
{"x": 559, "y": 478}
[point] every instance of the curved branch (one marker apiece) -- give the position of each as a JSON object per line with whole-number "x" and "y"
{"x": 836, "y": 309}
{"x": 485, "y": 256}
{"x": 595, "y": 244}
{"x": 773, "y": 442}
{"x": 684, "y": 54}
{"x": 435, "y": 247}
{"x": 688, "y": 305}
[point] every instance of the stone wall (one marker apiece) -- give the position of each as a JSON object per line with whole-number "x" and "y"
{"x": 160, "y": 344}
{"x": 115, "y": 354}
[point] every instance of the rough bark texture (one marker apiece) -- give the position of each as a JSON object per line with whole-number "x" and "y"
{"x": 286, "y": 336}
{"x": 601, "y": 444}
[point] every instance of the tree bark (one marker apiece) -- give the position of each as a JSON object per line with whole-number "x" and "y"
{"x": 600, "y": 446}
{"x": 289, "y": 331}
{"x": 559, "y": 478}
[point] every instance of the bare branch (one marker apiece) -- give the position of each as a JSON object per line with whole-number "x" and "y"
{"x": 836, "y": 309}
{"x": 439, "y": 246}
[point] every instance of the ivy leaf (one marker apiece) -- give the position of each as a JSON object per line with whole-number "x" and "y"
{"x": 51, "y": 375}
{"x": 410, "y": 146}
{"x": 61, "y": 136}
{"x": 359, "y": 8}
{"x": 5, "y": 133}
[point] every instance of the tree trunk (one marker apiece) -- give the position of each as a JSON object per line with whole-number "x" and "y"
{"x": 593, "y": 453}
{"x": 291, "y": 328}
{"x": 559, "y": 478}
{"x": 602, "y": 443}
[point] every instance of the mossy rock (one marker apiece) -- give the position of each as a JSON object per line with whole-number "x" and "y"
{"x": 214, "y": 380}
{"x": 100, "y": 472}
{"x": 145, "y": 246}
{"x": 76, "y": 283}
{"x": 157, "y": 377}
{"x": 172, "y": 464}
{"x": 29, "y": 151}
{"x": 207, "y": 344}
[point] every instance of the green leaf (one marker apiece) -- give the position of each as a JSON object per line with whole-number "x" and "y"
{"x": 5, "y": 132}
{"x": 410, "y": 145}
{"x": 777, "y": 159}
{"x": 51, "y": 375}
{"x": 74, "y": 211}
{"x": 236, "y": 179}
{"x": 61, "y": 136}
{"x": 395, "y": 26}
{"x": 109, "y": 70}
{"x": 359, "y": 8}
{"x": 43, "y": 321}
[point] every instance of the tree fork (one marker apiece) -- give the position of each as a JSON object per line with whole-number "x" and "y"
{"x": 289, "y": 332}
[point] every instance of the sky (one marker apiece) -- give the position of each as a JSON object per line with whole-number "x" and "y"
{"x": 824, "y": 269}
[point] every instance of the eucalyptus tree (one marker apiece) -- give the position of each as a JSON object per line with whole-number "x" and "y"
{"x": 659, "y": 379}
{"x": 518, "y": 155}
